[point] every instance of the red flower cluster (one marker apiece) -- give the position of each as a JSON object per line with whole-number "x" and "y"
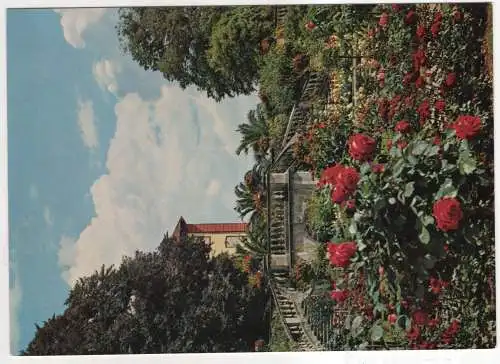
{"x": 436, "y": 25}
{"x": 339, "y": 295}
{"x": 419, "y": 59}
{"x": 424, "y": 111}
{"x": 420, "y": 32}
{"x": 420, "y": 317}
{"x": 341, "y": 254}
{"x": 403, "y": 126}
{"x": 382, "y": 108}
{"x": 450, "y": 80}
{"x": 439, "y": 105}
{"x": 402, "y": 144}
{"x": 392, "y": 318}
{"x": 466, "y": 126}
{"x": 410, "y": 17}
{"x": 345, "y": 185}
{"x": 384, "y": 20}
{"x": 437, "y": 285}
{"x": 448, "y": 213}
{"x": 361, "y": 147}
{"x": 378, "y": 168}
{"x": 310, "y": 25}
{"x": 450, "y": 332}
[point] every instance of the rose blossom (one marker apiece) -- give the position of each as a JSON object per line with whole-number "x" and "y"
{"x": 339, "y": 296}
{"x": 451, "y": 78}
{"x": 423, "y": 111}
{"x": 420, "y": 317}
{"x": 361, "y": 147}
{"x": 413, "y": 334}
{"x": 341, "y": 254}
{"x": 419, "y": 83}
{"x": 448, "y": 213}
{"x": 439, "y": 105}
{"x": 384, "y": 20}
{"x": 467, "y": 126}
{"x": 436, "y": 26}
{"x": 310, "y": 25}
{"x": 403, "y": 126}
{"x": 402, "y": 144}
{"x": 410, "y": 17}
{"x": 392, "y": 318}
{"x": 420, "y": 31}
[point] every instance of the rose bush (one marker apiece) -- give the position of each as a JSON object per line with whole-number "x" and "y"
{"x": 412, "y": 260}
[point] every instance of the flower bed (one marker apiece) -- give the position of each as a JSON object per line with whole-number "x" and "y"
{"x": 406, "y": 180}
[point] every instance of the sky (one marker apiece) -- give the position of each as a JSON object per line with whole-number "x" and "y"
{"x": 103, "y": 156}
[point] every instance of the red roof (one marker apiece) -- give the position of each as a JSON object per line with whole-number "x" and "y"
{"x": 217, "y": 228}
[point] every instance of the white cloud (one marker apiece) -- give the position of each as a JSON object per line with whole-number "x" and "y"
{"x": 47, "y": 216}
{"x": 15, "y": 297}
{"x": 66, "y": 255}
{"x": 213, "y": 188}
{"x": 75, "y": 21}
{"x": 105, "y": 73}
{"x": 87, "y": 124}
{"x": 164, "y": 158}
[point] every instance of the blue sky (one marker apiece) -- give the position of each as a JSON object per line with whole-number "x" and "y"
{"x": 103, "y": 156}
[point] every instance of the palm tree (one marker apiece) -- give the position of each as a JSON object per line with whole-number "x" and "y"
{"x": 255, "y": 133}
{"x": 255, "y": 243}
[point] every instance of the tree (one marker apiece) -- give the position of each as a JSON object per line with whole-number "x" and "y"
{"x": 177, "y": 42}
{"x": 175, "y": 299}
{"x": 255, "y": 133}
{"x": 255, "y": 243}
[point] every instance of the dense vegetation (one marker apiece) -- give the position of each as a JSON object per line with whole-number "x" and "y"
{"x": 175, "y": 299}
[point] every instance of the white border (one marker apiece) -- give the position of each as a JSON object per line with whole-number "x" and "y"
{"x": 410, "y": 356}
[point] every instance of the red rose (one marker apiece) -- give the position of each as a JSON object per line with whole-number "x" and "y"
{"x": 384, "y": 20}
{"x": 450, "y": 79}
{"x": 436, "y": 26}
{"x": 419, "y": 59}
{"x": 378, "y": 168}
{"x": 341, "y": 254}
{"x": 371, "y": 33}
{"x": 437, "y": 285}
{"x": 310, "y": 25}
{"x": 339, "y": 194}
{"x": 413, "y": 334}
{"x": 407, "y": 78}
{"x": 424, "y": 111}
{"x": 420, "y": 317}
{"x": 339, "y": 296}
{"x": 402, "y": 144}
{"x": 392, "y": 318}
{"x": 348, "y": 178}
{"x": 361, "y": 147}
{"x": 419, "y": 83}
{"x": 410, "y": 17}
{"x": 439, "y": 105}
{"x": 467, "y": 126}
{"x": 396, "y": 7}
{"x": 420, "y": 31}
{"x": 403, "y": 126}
{"x": 329, "y": 175}
{"x": 448, "y": 213}
{"x": 436, "y": 140}
{"x": 438, "y": 16}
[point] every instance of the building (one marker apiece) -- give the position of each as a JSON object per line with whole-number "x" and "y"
{"x": 223, "y": 237}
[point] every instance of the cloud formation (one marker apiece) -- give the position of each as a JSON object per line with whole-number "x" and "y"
{"x": 105, "y": 73}
{"x": 165, "y": 157}
{"x": 75, "y": 21}
{"x": 87, "y": 124}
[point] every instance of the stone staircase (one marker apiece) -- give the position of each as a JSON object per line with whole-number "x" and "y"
{"x": 291, "y": 317}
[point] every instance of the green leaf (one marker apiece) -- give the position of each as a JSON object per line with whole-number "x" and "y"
{"x": 419, "y": 147}
{"x": 432, "y": 151}
{"x": 466, "y": 164}
{"x": 398, "y": 168}
{"x": 409, "y": 188}
{"x": 356, "y": 327}
{"x": 353, "y": 228}
{"x": 446, "y": 189}
{"x": 424, "y": 235}
{"x": 427, "y": 220}
{"x": 377, "y": 332}
{"x": 392, "y": 200}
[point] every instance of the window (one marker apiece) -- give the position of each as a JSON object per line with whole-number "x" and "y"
{"x": 232, "y": 241}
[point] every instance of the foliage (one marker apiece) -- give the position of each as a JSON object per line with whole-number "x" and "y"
{"x": 175, "y": 299}
{"x": 188, "y": 44}
{"x": 279, "y": 340}
{"x": 255, "y": 133}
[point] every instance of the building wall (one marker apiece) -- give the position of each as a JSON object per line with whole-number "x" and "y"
{"x": 221, "y": 242}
